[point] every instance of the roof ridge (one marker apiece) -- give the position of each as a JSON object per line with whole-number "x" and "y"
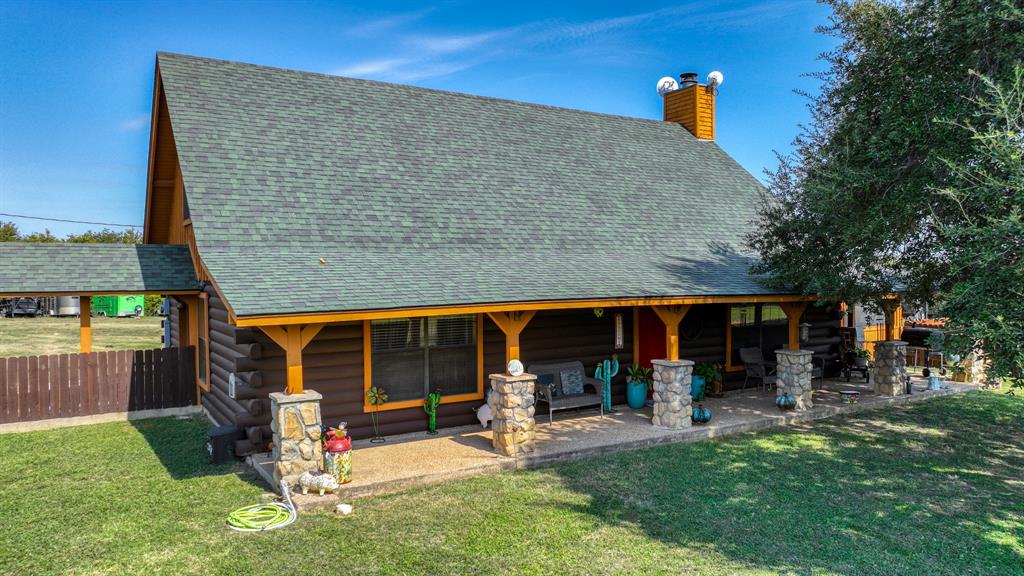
{"x": 423, "y": 89}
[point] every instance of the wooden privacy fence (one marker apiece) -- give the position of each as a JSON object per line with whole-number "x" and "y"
{"x": 65, "y": 385}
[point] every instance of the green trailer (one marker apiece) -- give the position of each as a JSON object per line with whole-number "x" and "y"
{"x": 118, "y": 306}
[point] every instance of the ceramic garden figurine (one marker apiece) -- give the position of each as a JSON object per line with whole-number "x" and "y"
{"x": 320, "y": 482}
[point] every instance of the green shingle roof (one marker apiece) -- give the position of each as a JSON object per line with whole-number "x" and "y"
{"x": 45, "y": 268}
{"x": 418, "y": 197}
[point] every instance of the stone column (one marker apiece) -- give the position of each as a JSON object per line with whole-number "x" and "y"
{"x": 672, "y": 393}
{"x": 793, "y": 376}
{"x": 891, "y": 368}
{"x": 295, "y": 423}
{"x": 514, "y": 427}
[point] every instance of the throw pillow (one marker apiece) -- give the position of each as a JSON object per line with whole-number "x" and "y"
{"x": 572, "y": 382}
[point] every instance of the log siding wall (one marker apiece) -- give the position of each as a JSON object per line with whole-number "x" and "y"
{"x": 333, "y": 364}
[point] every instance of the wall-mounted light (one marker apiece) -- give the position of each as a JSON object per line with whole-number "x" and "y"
{"x": 805, "y": 332}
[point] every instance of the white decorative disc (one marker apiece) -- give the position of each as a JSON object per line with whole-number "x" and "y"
{"x": 515, "y": 367}
{"x": 666, "y": 85}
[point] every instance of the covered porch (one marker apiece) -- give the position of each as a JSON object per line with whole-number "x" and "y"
{"x": 412, "y": 460}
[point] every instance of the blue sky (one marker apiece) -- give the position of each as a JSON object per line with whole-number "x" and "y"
{"x": 76, "y": 79}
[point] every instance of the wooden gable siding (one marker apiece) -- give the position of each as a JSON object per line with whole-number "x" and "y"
{"x": 164, "y": 188}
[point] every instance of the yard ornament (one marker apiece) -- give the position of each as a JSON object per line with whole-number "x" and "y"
{"x": 322, "y": 482}
{"x": 485, "y": 413}
{"x": 430, "y": 407}
{"x": 605, "y": 372}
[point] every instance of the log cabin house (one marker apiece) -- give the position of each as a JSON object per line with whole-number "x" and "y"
{"x": 350, "y": 233}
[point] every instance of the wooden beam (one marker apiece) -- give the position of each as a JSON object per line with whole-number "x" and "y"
{"x": 293, "y": 339}
{"x": 512, "y": 324}
{"x": 893, "y": 322}
{"x": 85, "y": 324}
{"x": 794, "y": 310}
{"x": 671, "y": 316}
{"x": 380, "y": 314}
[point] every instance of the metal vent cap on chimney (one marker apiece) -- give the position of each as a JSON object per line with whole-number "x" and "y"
{"x": 687, "y": 79}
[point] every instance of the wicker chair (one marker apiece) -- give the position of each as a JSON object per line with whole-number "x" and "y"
{"x": 757, "y": 367}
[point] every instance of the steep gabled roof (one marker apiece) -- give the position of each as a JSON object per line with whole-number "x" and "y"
{"x": 34, "y": 269}
{"x": 417, "y": 197}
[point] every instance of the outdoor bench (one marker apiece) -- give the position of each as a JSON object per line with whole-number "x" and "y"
{"x": 565, "y": 385}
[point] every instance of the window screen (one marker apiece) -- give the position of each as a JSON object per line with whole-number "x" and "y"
{"x": 772, "y": 314}
{"x": 412, "y": 357}
{"x": 743, "y": 315}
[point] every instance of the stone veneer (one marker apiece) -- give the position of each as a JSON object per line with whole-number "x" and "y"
{"x": 672, "y": 398}
{"x": 890, "y": 368}
{"x": 793, "y": 376}
{"x": 514, "y": 428}
{"x": 295, "y": 423}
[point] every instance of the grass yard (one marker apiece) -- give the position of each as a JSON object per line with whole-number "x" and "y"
{"x": 932, "y": 488}
{"x": 40, "y": 336}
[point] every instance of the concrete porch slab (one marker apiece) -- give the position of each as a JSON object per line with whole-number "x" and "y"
{"x": 413, "y": 460}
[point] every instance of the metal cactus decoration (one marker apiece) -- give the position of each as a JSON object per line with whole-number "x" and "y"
{"x": 605, "y": 372}
{"x": 430, "y": 405}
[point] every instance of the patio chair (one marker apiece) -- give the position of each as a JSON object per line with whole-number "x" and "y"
{"x": 757, "y": 367}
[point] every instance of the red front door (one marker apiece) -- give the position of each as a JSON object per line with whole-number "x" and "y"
{"x": 652, "y": 337}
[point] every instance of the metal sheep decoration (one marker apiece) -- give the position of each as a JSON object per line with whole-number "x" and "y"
{"x": 605, "y": 372}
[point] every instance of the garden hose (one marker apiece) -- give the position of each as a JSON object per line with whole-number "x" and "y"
{"x": 261, "y": 517}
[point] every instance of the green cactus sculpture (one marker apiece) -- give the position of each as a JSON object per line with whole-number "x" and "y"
{"x": 430, "y": 405}
{"x": 605, "y": 372}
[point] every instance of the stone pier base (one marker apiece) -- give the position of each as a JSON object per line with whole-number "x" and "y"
{"x": 672, "y": 398}
{"x": 295, "y": 423}
{"x": 513, "y": 405}
{"x": 793, "y": 376}
{"x": 890, "y": 368}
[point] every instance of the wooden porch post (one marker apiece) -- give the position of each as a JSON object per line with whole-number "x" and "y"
{"x": 512, "y": 324}
{"x": 794, "y": 310}
{"x": 292, "y": 338}
{"x": 85, "y": 324}
{"x": 671, "y": 316}
{"x": 893, "y": 322}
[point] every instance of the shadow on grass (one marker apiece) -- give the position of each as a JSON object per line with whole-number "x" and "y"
{"x": 929, "y": 489}
{"x": 179, "y": 443}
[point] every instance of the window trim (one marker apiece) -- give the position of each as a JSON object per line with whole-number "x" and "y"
{"x": 203, "y": 317}
{"x": 730, "y": 366}
{"x": 401, "y": 404}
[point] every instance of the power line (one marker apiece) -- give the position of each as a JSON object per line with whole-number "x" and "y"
{"x": 70, "y": 221}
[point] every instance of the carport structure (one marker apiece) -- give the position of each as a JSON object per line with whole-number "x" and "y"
{"x": 86, "y": 270}
{"x": 109, "y": 384}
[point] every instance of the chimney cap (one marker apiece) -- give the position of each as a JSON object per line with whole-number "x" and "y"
{"x": 688, "y": 79}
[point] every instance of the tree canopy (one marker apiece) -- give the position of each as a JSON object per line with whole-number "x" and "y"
{"x": 880, "y": 194}
{"x": 9, "y": 233}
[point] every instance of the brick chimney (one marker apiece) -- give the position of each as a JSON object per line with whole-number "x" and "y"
{"x": 693, "y": 106}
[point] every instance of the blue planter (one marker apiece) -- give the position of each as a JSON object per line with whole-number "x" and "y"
{"x": 697, "y": 387}
{"x": 636, "y": 394}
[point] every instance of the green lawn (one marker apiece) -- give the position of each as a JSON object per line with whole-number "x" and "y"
{"x": 40, "y": 336}
{"x": 934, "y": 488}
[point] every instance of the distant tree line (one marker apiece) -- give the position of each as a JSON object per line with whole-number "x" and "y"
{"x": 9, "y": 233}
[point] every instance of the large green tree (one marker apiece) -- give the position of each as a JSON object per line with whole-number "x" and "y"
{"x": 862, "y": 208}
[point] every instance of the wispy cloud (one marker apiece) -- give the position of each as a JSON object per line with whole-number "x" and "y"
{"x": 134, "y": 124}
{"x": 373, "y": 68}
{"x": 388, "y": 23}
{"x": 420, "y": 55}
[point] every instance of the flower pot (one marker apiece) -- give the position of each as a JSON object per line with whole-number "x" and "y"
{"x": 697, "y": 387}
{"x": 860, "y": 362}
{"x": 935, "y": 382}
{"x": 636, "y": 394}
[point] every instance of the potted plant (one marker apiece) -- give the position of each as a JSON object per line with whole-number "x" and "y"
{"x": 703, "y": 373}
{"x": 637, "y": 381}
{"x": 858, "y": 357}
